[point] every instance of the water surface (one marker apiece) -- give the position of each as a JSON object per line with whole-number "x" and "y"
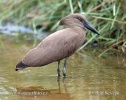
{"x": 88, "y": 77}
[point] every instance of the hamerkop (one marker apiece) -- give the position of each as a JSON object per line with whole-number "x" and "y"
{"x": 59, "y": 45}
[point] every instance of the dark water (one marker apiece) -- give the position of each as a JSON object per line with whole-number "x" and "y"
{"x": 88, "y": 77}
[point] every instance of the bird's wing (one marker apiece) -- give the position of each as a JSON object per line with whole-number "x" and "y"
{"x": 56, "y": 46}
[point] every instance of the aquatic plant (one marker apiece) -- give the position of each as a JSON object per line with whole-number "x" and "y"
{"x": 107, "y": 16}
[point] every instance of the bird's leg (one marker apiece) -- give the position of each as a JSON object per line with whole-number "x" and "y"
{"x": 64, "y": 67}
{"x": 58, "y": 70}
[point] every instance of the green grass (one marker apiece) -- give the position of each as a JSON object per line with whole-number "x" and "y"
{"x": 107, "y": 16}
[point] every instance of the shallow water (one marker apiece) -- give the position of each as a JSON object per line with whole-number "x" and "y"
{"x": 26, "y": 32}
{"x": 88, "y": 77}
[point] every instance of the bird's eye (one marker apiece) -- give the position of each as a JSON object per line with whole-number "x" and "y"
{"x": 79, "y": 18}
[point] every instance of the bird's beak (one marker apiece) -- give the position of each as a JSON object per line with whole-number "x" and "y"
{"x": 90, "y": 27}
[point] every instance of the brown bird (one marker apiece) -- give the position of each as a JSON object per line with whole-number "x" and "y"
{"x": 59, "y": 45}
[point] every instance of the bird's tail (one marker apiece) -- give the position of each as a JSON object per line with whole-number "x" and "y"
{"x": 20, "y": 66}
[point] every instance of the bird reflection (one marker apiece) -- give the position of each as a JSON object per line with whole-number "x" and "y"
{"x": 39, "y": 92}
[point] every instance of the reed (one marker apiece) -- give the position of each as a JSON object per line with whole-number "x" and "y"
{"x": 107, "y": 16}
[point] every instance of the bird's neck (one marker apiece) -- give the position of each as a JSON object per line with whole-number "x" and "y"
{"x": 79, "y": 29}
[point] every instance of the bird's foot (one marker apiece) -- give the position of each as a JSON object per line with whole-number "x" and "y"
{"x": 58, "y": 74}
{"x": 58, "y": 71}
{"x": 64, "y": 72}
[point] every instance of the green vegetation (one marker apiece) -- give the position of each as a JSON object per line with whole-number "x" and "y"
{"x": 107, "y": 16}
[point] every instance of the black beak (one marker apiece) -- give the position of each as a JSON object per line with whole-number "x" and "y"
{"x": 90, "y": 27}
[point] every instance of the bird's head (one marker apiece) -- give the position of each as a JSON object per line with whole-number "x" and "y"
{"x": 78, "y": 20}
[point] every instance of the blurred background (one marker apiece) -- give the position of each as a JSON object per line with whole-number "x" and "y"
{"x": 24, "y": 19}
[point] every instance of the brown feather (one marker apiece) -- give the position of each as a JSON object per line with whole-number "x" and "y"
{"x": 55, "y": 47}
